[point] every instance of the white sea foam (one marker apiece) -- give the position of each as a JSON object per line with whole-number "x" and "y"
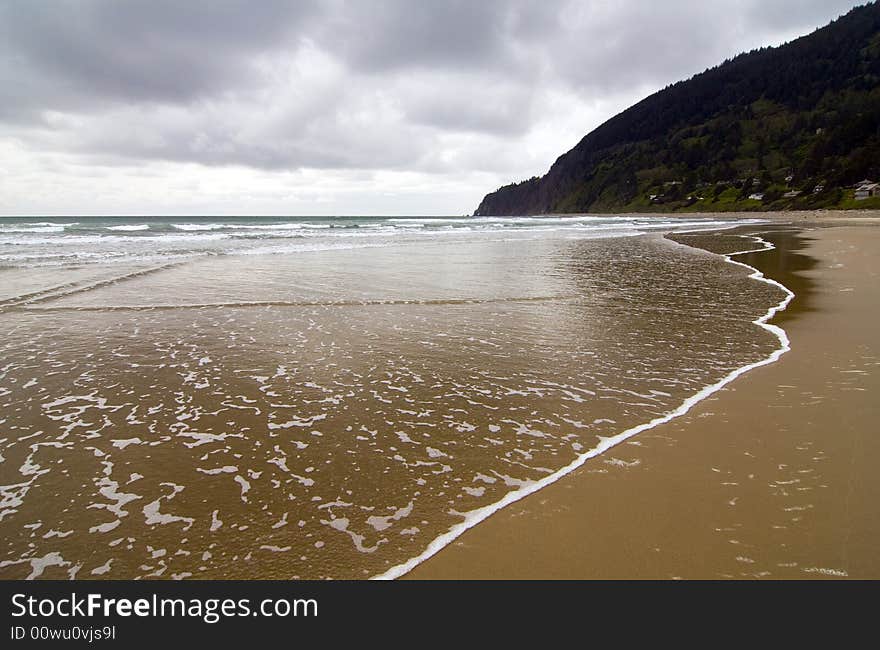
{"x": 122, "y": 444}
{"x": 36, "y": 224}
{"x": 106, "y": 527}
{"x": 197, "y": 226}
{"x": 38, "y": 564}
{"x": 104, "y": 568}
{"x": 24, "y": 228}
{"x": 837, "y": 573}
{"x": 226, "y": 469}
{"x": 305, "y": 248}
{"x": 249, "y": 226}
{"x": 153, "y": 516}
{"x": 69, "y": 239}
{"x": 272, "y": 226}
{"x": 474, "y": 517}
{"x": 132, "y": 227}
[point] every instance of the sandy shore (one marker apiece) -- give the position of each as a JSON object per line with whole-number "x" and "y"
{"x": 774, "y": 476}
{"x": 814, "y": 217}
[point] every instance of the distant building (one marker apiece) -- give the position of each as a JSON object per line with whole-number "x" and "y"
{"x": 791, "y": 194}
{"x": 866, "y": 190}
{"x": 757, "y": 196}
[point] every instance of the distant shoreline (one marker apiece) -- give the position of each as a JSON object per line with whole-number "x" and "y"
{"x": 818, "y": 216}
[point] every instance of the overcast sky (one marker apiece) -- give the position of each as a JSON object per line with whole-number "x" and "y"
{"x": 335, "y": 107}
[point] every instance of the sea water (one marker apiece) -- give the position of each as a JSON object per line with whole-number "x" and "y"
{"x": 334, "y": 397}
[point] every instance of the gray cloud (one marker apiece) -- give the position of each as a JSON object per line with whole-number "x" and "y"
{"x": 72, "y": 53}
{"x": 609, "y": 46}
{"x": 352, "y": 84}
{"x": 391, "y": 34}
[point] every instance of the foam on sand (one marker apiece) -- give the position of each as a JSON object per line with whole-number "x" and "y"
{"x": 474, "y": 517}
{"x": 38, "y": 564}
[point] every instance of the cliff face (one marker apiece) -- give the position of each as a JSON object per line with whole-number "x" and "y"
{"x": 791, "y": 127}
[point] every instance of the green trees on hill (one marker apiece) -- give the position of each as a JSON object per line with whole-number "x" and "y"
{"x": 777, "y": 128}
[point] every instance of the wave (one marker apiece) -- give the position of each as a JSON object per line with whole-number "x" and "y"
{"x": 474, "y": 517}
{"x": 12, "y": 257}
{"x": 37, "y": 241}
{"x": 72, "y": 288}
{"x": 6, "y": 229}
{"x": 294, "y": 303}
{"x": 177, "y": 238}
{"x": 41, "y": 243}
{"x": 249, "y": 226}
{"x": 197, "y": 226}
{"x": 141, "y": 226}
{"x": 304, "y": 248}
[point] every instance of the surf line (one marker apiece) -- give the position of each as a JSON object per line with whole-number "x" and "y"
{"x": 52, "y": 293}
{"x": 474, "y": 517}
{"x": 288, "y": 303}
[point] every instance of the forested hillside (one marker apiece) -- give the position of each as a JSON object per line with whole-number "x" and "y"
{"x": 791, "y": 127}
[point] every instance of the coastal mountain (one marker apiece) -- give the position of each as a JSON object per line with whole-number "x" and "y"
{"x": 789, "y": 127}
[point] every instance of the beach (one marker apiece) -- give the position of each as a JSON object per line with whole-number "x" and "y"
{"x": 771, "y": 477}
{"x": 340, "y": 398}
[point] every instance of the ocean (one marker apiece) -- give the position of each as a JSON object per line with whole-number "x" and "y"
{"x": 336, "y": 397}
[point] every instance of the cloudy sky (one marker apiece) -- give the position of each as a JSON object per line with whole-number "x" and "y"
{"x": 334, "y": 107}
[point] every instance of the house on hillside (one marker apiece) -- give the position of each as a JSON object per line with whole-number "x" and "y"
{"x": 866, "y": 190}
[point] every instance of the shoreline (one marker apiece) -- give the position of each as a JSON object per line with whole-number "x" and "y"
{"x": 705, "y": 331}
{"x": 803, "y": 217}
{"x": 492, "y": 550}
{"x": 480, "y": 515}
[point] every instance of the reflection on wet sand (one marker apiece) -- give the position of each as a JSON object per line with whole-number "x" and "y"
{"x": 335, "y": 414}
{"x": 773, "y": 477}
{"x": 786, "y": 261}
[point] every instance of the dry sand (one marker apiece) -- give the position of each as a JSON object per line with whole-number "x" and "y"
{"x": 775, "y": 476}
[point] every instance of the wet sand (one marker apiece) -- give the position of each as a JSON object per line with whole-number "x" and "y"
{"x": 774, "y": 476}
{"x": 330, "y": 415}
